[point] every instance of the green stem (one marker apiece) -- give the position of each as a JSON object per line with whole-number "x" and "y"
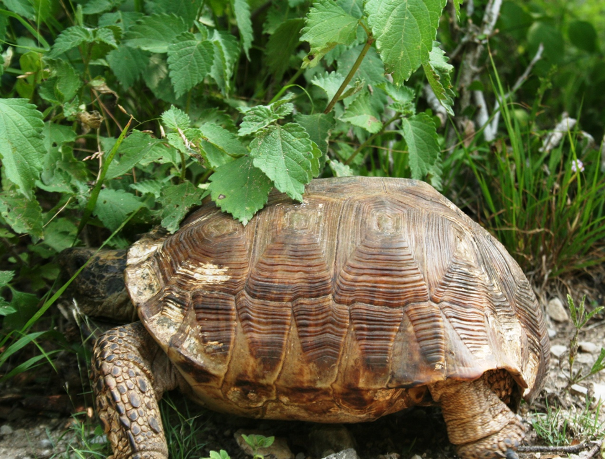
{"x": 349, "y": 77}
{"x": 371, "y": 138}
{"x": 287, "y": 85}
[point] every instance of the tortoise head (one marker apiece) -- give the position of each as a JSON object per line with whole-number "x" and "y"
{"x": 99, "y": 288}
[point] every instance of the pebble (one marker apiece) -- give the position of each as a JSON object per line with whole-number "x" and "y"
{"x": 587, "y": 359}
{"x": 587, "y": 346}
{"x": 300, "y": 456}
{"x": 331, "y": 437}
{"x": 552, "y": 333}
{"x": 599, "y": 391}
{"x": 578, "y": 390}
{"x": 556, "y": 310}
{"x": 558, "y": 350}
{"x": 6, "y": 430}
{"x": 416, "y": 456}
{"x": 349, "y": 453}
{"x": 46, "y": 443}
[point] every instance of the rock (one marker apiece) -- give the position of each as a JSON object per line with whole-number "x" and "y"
{"x": 330, "y": 437}
{"x": 587, "y": 346}
{"x": 348, "y": 453}
{"x": 279, "y": 449}
{"x": 46, "y": 443}
{"x": 416, "y": 456}
{"x": 578, "y": 390}
{"x": 587, "y": 359}
{"x": 6, "y": 430}
{"x": 557, "y": 311}
{"x": 599, "y": 391}
{"x": 558, "y": 350}
{"x": 552, "y": 333}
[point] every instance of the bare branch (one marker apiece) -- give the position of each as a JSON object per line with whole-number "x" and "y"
{"x": 555, "y": 136}
{"x": 434, "y": 103}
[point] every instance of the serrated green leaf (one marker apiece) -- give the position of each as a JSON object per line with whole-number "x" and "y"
{"x": 226, "y": 54}
{"x": 240, "y": 188}
{"x": 21, "y": 147}
{"x": 56, "y": 135}
{"x": 60, "y": 234}
{"x": 6, "y": 277}
{"x": 402, "y": 96}
{"x": 176, "y": 201}
{"x": 404, "y": 31}
{"x": 284, "y": 154}
{"x": 155, "y": 33}
{"x": 339, "y": 169}
{"x": 122, "y": 19}
{"x": 175, "y": 119}
{"x": 219, "y": 145}
{"x": 329, "y": 82}
{"x": 189, "y": 61}
{"x": 105, "y": 35}
{"x": 187, "y": 9}
{"x": 153, "y": 187}
{"x": 127, "y": 64}
{"x": 371, "y": 70}
{"x": 157, "y": 79}
{"x": 23, "y": 215}
{"x": 67, "y": 82}
{"x": 257, "y": 118}
{"x": 69, "y": 39}
{"x": 318, "y": 126}
{"x": 326, "y": 26}
{"x": 244, "y": 23}
{"x": 100, "y": 6}
{"x": 438, "y": 73}
{"x": 132, "y": 150}
{"x": 420, "y": 135}
{"x": 114, "y": 206}
{"x": 282, "y": 45}
{"x": 361, "y": 113}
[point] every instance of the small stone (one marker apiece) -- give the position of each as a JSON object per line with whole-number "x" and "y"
{"x": 416, "y": 456}
{"x": 556, "y": 310}
{"x": 558, "y": 350}
{"x": 6, "y": 430}
{"x": 552, "y": 333}
{"x": 576, "y": 389}
{"x": 599, "y": 391}
{"x": 587, "y": 359}
{"x": 46, "y": 443}
{"x": 300, "y": 456}
{"x": 587, "y": 346}
{"x": 348, "y": 453}
{"x": 334, "y": 437}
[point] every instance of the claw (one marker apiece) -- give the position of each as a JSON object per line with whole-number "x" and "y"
{"x": 511, "y": 454}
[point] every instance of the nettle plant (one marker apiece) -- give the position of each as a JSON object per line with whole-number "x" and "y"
{"x": 126, "y": 59}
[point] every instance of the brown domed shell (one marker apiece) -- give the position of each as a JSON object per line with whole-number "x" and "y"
{"x": 343, "y": 306}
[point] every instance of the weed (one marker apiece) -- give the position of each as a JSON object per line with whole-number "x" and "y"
{"x": 257, "y": 442}
{"x": 580, "y": 318}
{"x": 183, "y": 430}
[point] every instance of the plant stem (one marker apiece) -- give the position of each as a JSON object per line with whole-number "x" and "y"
{"x": 349, "y": 77}
{"x": 371, "y": 138}
{"x": 287, "y": 85}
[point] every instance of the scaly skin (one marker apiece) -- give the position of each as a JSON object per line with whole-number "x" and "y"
{"x": 478, "y": 422}
{"x": 130, "y": 374}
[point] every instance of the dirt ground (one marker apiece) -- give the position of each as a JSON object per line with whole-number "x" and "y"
{"x": 46, "y": 414}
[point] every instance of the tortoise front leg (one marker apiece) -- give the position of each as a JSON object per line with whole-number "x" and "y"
{"x": 130, "y": 374}
{"x": 478, "y": 422}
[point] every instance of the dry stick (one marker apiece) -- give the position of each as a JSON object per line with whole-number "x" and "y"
{"x": 349, "y": 77}
{"x": 560, "y": 449}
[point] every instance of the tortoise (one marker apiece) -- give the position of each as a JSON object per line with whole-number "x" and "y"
{"x": 370, "y": 296}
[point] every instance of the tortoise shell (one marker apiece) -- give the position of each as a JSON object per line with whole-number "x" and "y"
{"x": 341, "y": 308}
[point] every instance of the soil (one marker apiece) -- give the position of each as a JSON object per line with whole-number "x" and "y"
{"x": 47, "y": 414}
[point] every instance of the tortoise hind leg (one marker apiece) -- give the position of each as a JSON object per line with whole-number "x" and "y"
{"x": 478, "y": 422}
{"x": 130, "y": 374}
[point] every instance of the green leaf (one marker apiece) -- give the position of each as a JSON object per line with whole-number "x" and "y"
{"x": 404, "y": 31}
{"x": 361, "y": 113}
{"x": 220, "y": 145}
{"x": 552, "y": 39}
{"x": 327, "y": 25}
{"x": 114, "y": 206}
{"x": 371, "y": 70}
{"x": 122, "y": 19}
{"x": 100, "y": 6}
{"x": 21, "y": 147}
{"x": 318, "y": 126}
{"x": 282, "y": 45}
{"x": 403, "y": 98}
{"x": 153, "y": 187}
{"x": 176, "y": 200}
{"x": 175, "y": 119}
{"x": 155, "y": 33}
{"x": 69, "y": 39}
{"x": 244, "y": 23}
{"x": 23, "y": 215}
{"x": 240, "y": 188}
{"x": 420, "y": 134}
{"x": 329, "y": 82}
{"x": 6, "y": 277}
{"x": 257, "y": 118}
{"x": 226, "y": 54}
{"x": 127, "y": 64}
{"x": 583, "y": 35}
{"x": 189, "y": 61}
{"x": 132, "y": 150}
{"x": 187, "y": 9}
{"x": 23, "y": 8}
{"x": 438, "y": 73}
{"x": 60, "y": 234}
{"x": 284, "y": 154}
{"x": 457, "y": 4}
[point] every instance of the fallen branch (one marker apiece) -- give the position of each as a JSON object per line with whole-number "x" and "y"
{"x": 556, "y": 449}
{"x": 555, "y": 136}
